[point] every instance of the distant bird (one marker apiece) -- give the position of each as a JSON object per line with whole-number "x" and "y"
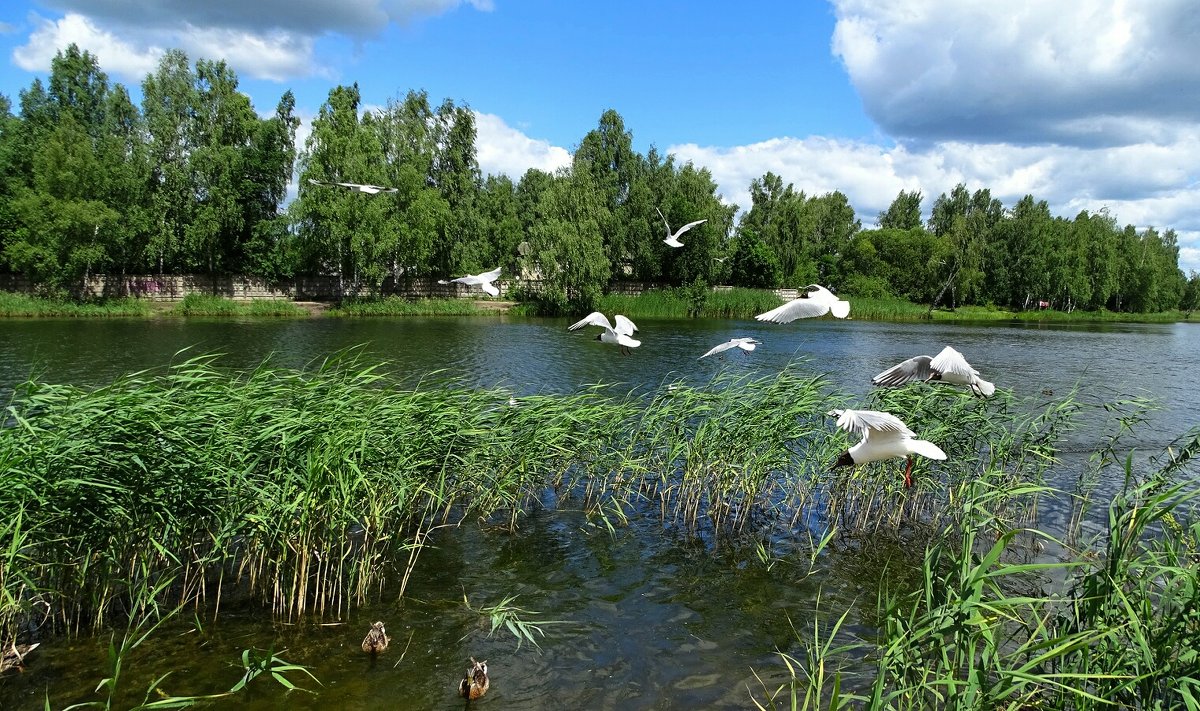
{"x": 949, "y": 366}
{"x": 815, "y": 301}
{"x": 475, "y": 683}
{"x": 884, "y": 436}
{"x": 356, "y": 187}
{"x": 672, "y": 240}
{"x": 620, "y": 335}
{"x": 746, "y": 344}
{"x": 720, "y": 259}
{"x": 483, "y": 280}
{"x": 376, "y": 640}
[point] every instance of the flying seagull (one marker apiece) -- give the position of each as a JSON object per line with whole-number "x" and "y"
{"x": 483, "y": 280}
{"x": 815, "y": 301}
{"x": 356, "y": 187}
{"x": 621, "y": 335}
{"x": 672, "y": 240}
{"x": 949, "y": 366}
{"x": 746, "y": 344}
{"x": 884, "y": 436}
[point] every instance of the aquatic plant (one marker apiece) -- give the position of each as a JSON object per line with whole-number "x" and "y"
{"x": 397, "y": 306}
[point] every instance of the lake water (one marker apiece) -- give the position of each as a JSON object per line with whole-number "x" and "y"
{"x": 651, "y": 620}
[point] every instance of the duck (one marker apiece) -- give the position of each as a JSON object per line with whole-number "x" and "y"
{"x": 620, "y": 335}
{"x": 815, "y": 301}
{"x": 14, "y": 656}
{"x": 949, "y": 366}
{"x": 884, "y": 436}
{"x": 376, "y": 640}
{"x": 475, "y": 682}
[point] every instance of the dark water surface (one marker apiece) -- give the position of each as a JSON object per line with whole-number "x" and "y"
{"x": 651, "y": 619}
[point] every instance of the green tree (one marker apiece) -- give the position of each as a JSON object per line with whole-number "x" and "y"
{"x": 168, "y": 104}
{"x": 904, "y": 213}
{"x": 567, "y": 243}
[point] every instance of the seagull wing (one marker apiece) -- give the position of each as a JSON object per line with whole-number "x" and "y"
{"x": 314, "y": 181}
{"x": 625, "y": 340}
{"x": 797, "y": 308}
{"x": 595, "y": 318}
{"x": 688, "y": 226}
{"x": 624, "y": 325}
{"x": 491, "y": 276}
{"x": 720, "y": 349}
{"x": 746, "y": 344}
{"x": 867, "y": 422}
{"x": 951, "y": 361}
{"x": 913, "y": 369}
{"x": 488, "y": 287}
{"x": 664, "y": 219}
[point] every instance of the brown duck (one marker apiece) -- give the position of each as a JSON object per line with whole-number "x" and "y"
{"x": 13, "y": 656}
{"x": 376, "y": 640}
{"x": 475, "y": 683}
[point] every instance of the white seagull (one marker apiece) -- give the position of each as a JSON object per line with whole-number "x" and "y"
{"x": 746, "y": 344}
{"x": 949, "y": 366}
{"x": 815, "y": 301}
{"x": 356, "y": 187}
{"x": 621, "y": 335}
{"x": 483, "y": 280}
{"x": 884, "y": 436}
{"x": 672, "y": 240}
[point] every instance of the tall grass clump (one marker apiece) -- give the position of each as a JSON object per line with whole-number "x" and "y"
{"x": 13, "y": 305}
{"x": 397, "y": 306}
{"x": 1115, "y": 625}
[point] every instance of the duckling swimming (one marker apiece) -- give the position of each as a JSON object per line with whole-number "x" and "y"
{"x": 376, "y": 640}
{"x": 475, "y": 683}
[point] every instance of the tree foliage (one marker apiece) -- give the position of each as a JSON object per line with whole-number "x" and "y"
{"x": 195, "y": 180}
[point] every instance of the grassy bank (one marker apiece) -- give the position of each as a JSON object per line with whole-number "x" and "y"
{"x": 886, "y": 309}
{"x": 217, "y": 306}
{"x": 397, "y": 306}
{"x": 683, "y": 303}
{"x": 13, "y": 305}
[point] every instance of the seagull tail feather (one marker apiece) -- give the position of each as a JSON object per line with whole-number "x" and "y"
{"x": 926, "y": 448}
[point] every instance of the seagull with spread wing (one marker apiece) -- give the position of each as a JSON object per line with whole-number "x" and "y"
{"x": 746, "y": 344}
{"x": 355, "y": 187}
{"x": 484, "y": 281}
{"x": 672, "y": 240}
{"x": 815, "y": 301}
{"x": 619, "y": 335}
{"x": 949, "y": 366}
{"x": 884, "y": 436}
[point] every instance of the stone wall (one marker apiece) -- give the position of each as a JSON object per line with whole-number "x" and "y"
{"x": 243, "y": 288}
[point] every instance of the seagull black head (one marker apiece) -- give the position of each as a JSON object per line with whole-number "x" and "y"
{"x": 844, "y": 460}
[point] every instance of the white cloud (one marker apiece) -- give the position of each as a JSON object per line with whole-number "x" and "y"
{"x": 1143, "y": 185}
{"x": 1090, "y": 72}
{"x": 500, "y": 148}
{"x": 113, "y": 54}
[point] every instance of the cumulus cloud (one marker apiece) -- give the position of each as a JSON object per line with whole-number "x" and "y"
{"x": 1143, "y": 185}
{"x": 262, "y": 39}
{"x": 1088, "y": 73}
{"x": 501, "y": 148}
{"x": 114, "y": 54}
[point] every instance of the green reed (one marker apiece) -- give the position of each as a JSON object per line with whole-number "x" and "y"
{"x": 313, "y": 490}
{"x": 1115, "y": 625}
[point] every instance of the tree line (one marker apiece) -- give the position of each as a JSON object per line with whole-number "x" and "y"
{"x": 195, "y": 180}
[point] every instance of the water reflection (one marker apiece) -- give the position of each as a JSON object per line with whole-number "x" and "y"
{"x": 652, "y": 618}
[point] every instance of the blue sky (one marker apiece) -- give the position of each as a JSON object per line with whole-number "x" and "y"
{"x": 1091, "y": 104}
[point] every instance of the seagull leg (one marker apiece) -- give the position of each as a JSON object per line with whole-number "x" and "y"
{"x": 908, "y": 473}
